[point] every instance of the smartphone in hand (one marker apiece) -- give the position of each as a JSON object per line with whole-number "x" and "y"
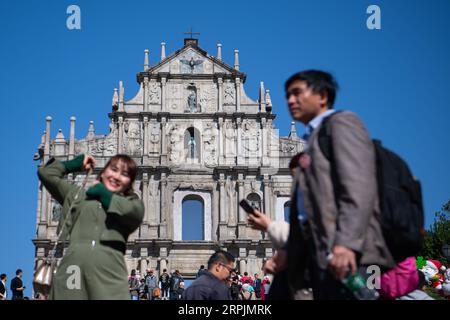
{"x": 247, "y": 206}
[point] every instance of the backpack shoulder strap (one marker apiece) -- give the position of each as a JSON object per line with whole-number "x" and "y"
{"x": 324, "y": 136}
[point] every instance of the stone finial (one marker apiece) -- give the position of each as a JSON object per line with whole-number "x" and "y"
{"x": 219, "y": 51}
{"x": 163, "y": 50}
{"x": 293, "y": 133}
{"x": 72, "y": 138}
{"x": 121, "y": 95}
{"x": 115, "y": 99}
{"x": 236, "y": 59}
{"x": 60, "y": 137}
{"x": 268, "y": 101}
{"x": 145, "y": 59}
{"x": 91, "y": 131}
{"x": 262, "y": 98}
{"x": 59, "y": 148}
{"x": 43, "y": 138}
{"x": 47, "y": 138}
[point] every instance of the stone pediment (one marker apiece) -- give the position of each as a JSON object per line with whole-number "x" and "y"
{"x": 191, "y": 60}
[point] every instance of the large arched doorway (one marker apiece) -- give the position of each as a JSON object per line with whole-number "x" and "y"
{"x": 192, "y": 218}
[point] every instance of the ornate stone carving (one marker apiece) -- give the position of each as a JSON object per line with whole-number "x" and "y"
{"x": 132, "y": 141}
{"x": 56, "y": 211}
{"x": 209, "y": 145}
{"x": 175, "y": 144}
{"x": 250, "y": 137}
{"x": 155, "y": 137}
{"x": 193, "y": 186}
{"x": 229, "y": 94}
{"x": 96, "y": 147}
{"x": 110, "y": 143}
{"x": 288, "y": 147}
{"x": 230, "y": 139}
{"x": 191, "y": 63}
{"x": 154, "y": 93}
{"x": 81, "y": 147}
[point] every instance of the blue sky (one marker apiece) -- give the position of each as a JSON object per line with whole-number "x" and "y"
{"x": 396, "y": 79}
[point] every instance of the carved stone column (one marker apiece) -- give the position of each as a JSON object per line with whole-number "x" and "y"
{"x": 153, "y": 212}
{"x": 164, "y": 214}
{"x": 120, "y": 140}
{"x": 223, "y": 218}
{"x": 145, "y": 223}
{"x": 163, "y": 142}
{"x": 220, "y": 152}
{"x": 239, "y": 151}
{"x": 265, "y": 145}
{"x": 146, "y": 135}
{"x": 143, "y": 263}
{"x": 242, "y": 224}
{"x": 146, "y": 94}
{"x": 267, "y": 196}
{"x": 238, "y": 95}
{"x": 72, "y": 138}
{"x": 220, "y": 93}
{"x": 163, "y": 93}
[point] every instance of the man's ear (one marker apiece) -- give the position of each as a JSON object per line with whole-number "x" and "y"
{"x": 324, "y": 99}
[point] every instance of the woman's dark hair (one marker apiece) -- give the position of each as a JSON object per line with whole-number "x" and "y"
{"x": 294, "y": 161}
{"x": 319, "y": 81}
{"x": 131, "y": 168}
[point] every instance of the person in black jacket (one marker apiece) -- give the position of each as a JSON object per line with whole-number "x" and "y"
{"x": 3, "y": 292}
{"x": 212, "y": 284}
{"x": 17, "y": 286}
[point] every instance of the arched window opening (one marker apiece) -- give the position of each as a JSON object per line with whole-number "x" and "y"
{"x": 192, "y": 218}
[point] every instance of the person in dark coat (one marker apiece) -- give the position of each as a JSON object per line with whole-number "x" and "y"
{"x": 212, "y": 284}
{"x": 17, "y": 286}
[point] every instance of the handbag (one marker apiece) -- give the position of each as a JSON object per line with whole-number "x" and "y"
{"x": 43, "y": 276}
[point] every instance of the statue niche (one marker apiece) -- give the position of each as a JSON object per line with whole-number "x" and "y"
{"x": 192, "y": 145}
{"x": 192, "y": 105}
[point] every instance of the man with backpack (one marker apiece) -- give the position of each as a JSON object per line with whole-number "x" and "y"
{"x": 335, "y": 220}
{"x": 175, "y": 281}
{"x": 164, "y": 280}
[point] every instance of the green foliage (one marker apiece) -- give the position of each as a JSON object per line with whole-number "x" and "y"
{"x": 438, "y": 235}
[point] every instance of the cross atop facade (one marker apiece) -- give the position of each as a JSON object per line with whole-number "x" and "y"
{"x": 192, "y": 33}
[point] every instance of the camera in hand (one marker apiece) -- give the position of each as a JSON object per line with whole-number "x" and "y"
{"x": 247, "y": 206}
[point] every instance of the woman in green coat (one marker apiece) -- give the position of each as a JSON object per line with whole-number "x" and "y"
{"x": 97, "y": 228}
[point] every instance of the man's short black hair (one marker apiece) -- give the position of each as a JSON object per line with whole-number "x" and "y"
{"x": 2, "y": 276}
{"x": 220, "y": 256}
{"x": 319, "y": 82}
{"x": 18, "y": 271}
{"x": 202, "y": 267}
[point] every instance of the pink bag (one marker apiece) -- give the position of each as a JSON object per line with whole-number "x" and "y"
{"x": 401, "y": 280}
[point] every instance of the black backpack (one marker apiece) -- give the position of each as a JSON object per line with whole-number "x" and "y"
{"x": 400, "y": 195}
